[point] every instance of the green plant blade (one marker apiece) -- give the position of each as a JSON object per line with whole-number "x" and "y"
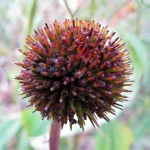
{"x": 33, "y": 123}
{"x": 23, "y": 141}
{"x": 114, "y": 136}
{"x": 8, "y": 129}
{"x": 32, "y": 15}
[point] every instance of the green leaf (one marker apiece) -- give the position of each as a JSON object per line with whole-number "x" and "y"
{"x": 114, "y": 136}
{"x": 23, "y": 141}
{"x": 8, "y": 129}
{"x": 93, "y": 7}
{"x": 63, "y": 143}
{"x": 140, "y": 129}
{"x": 33, "y": 123}
{"x": 32, "y": 15}
{"x": 138, "y": 53}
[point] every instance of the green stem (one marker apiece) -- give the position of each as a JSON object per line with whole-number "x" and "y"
{"x": 32, "y": 15}
{"x": 54, "y": 135}
{"x": 69, "y": 10}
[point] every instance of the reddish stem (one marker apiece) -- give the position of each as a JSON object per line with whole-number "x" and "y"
{"x": 54, "y": 135}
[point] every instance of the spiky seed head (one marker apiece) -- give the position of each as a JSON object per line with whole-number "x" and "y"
{"x": 75, "y": 68}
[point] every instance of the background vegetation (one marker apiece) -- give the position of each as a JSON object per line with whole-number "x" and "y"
{"x": 19, "y": 128}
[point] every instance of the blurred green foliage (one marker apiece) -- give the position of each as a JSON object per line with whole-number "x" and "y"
{"x": 31, "y": 125}
{"x": 8, "y": 129}
{"x": 131, "y": 130}
{"x": 114, "y": 136}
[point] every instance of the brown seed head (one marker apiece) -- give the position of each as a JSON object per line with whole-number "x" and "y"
{"x": 75, "y": 68}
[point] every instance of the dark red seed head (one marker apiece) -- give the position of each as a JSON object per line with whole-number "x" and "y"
{"x": 73, "y": 69}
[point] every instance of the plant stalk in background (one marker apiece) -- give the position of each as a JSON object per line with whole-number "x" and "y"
{"x": 72, "y": 14}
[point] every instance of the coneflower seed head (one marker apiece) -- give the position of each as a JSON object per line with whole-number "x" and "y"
{"x": 75, "y": 68}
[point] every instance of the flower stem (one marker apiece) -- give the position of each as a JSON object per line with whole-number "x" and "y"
{"x": 54, "y": 135}
{"x": 69, "y": 10}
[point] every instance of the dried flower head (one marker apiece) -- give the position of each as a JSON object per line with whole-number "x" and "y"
{"x": 73, "y": 69}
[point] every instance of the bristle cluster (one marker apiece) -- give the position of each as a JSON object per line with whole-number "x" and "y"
{"x": 75, "y": 68}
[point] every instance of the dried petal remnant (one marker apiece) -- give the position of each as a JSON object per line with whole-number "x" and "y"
{"x": 75, "y": 68}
